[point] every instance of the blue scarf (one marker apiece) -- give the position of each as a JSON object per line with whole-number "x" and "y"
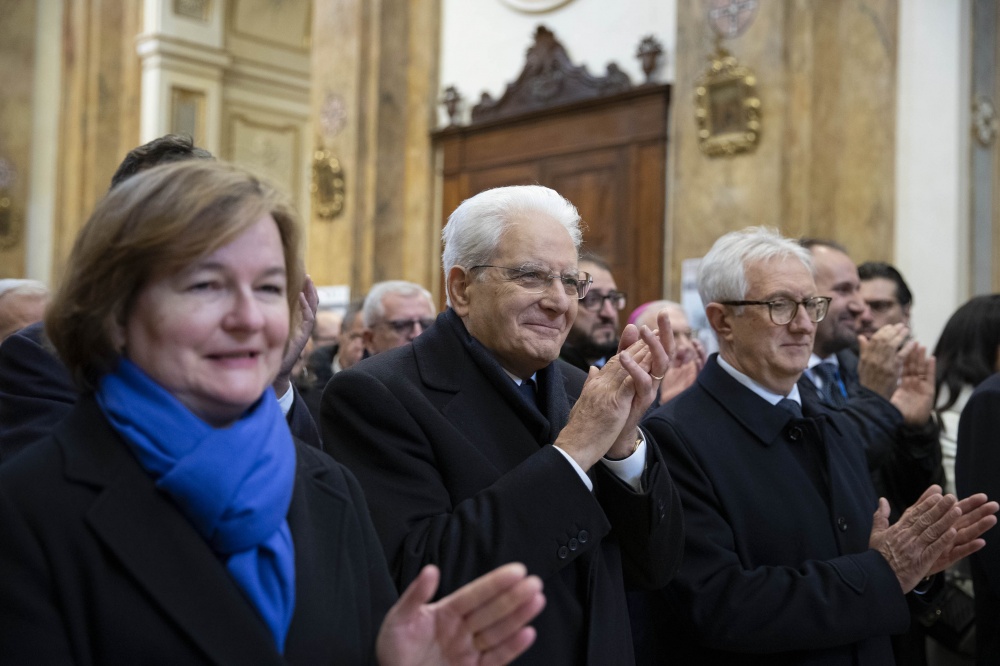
{"x": 234, "y": 484}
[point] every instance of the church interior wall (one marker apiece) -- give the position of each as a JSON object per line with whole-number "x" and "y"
{"x": 864, "y": 112}
{"x": 483, "y": 42}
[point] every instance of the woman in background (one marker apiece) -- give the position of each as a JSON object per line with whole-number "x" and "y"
{"x": 966, "y": 353}
{"x": 970, "y": 415}
{"x": 171, "y": 518}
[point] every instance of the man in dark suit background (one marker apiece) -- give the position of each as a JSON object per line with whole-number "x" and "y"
{"x": 593, "y": 338}
{"x": 475, "y": 445}
{"x": 327, "y": 360}
{"x": 784, "y": 562}
{"x": 900, "y": 438}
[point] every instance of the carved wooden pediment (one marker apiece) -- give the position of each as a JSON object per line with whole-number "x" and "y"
{"x": 549, "y": 79}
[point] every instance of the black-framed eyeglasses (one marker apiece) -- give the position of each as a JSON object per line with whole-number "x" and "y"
{"x": 406, "y": 326}
{"x": 536, "y": 282}
{"x": 594, "y": 300}
{"x": 783, "y": 310}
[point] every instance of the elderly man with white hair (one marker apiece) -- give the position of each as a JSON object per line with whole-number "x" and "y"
{"x": 689, "y": 358}
{"x": 22, "y": 302}
{"x": 475, "y": 444}
{"x": 395, "y": 312}
{"x": 789, "y": 556}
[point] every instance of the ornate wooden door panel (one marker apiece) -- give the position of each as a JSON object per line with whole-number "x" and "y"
{"x": 598, "y": 141}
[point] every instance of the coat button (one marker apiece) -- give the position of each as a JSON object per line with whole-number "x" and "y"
{"x": 842, "y": 524}
{"x": 563, "y": 552}
{"x": 573, "y": 544}
{"x": 583, "y": 536}
{"x": 795, "y": 433}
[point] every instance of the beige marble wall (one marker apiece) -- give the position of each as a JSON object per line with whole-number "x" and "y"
{"x": 374, "y": 66}
{"x": 17, "y": 45}
{"x": 100, "y": 109}
{"x": 823, "y": 165}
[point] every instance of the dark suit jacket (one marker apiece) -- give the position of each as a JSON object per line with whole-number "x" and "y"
{"x": 37, "y": 392}
{"x": 457, "y": 471}
{"x": 977, "y": 470}
{"x": 319, "y": 363}
{"x": 903, "y": 459}
{"x": 776, "y": 567}
{"x": 99, "y": 567}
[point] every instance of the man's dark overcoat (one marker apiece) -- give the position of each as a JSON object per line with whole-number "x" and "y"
{"x": 457, "y": 471}
{"x": 777, "y": 568}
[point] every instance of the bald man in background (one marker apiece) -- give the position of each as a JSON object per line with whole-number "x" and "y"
{"x": 690, "y": 356}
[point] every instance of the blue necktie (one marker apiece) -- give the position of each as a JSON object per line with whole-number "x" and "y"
{"x": 792, "y": 406}
{"x": 832, "y": 391}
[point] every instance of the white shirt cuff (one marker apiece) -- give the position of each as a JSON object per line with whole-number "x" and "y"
{"x": 286, "y": 401}
{"x": 630, "y": 469}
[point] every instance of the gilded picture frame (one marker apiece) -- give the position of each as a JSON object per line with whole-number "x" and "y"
{"x": 327, "y": 188}
{"x": 727, "y": 108}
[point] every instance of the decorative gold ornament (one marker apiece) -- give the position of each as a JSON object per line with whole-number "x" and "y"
{"x": 727, "y": 107}
{"x": 328, "y": 190}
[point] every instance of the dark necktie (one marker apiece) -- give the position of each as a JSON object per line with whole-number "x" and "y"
{"x": 527, "y": 390}
{"x": 792, "y": 406}
{"x": 832, "y": 391}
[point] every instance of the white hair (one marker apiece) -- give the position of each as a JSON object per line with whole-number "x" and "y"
{"x": 25, "y": 287}
{"x": 722, "y": 272}
{"x": 373, "y": 311}
{"x": 474, "y": 230}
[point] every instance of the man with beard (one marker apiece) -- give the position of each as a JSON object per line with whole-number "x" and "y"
{"x": 594, "y": 336}
{"x": 887, "y": 295}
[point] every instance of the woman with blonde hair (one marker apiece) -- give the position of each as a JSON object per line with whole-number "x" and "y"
{"x": 171, "y": 518}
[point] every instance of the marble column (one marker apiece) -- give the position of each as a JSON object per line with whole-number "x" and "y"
{"x": 374, "y": 72}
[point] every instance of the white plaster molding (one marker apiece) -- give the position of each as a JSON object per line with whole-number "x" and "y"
{"x": 932, "y": 159}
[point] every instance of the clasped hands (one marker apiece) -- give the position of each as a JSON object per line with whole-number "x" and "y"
{"x": 930, "y": 536}
{"x": 605, "y": 419}
{"x": 898, "y": 369}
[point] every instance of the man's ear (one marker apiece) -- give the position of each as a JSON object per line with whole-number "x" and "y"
{"x": 458, "y": 290}
{"x": 367, "y": 337}
{"x": 720, "y": 319}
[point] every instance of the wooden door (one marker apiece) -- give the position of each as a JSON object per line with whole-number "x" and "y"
{"x": 607, "y": 156}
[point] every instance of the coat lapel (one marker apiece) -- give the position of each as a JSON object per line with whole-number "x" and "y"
{"x": 762, "y": 420}
{"x": 477, "y": 405}
{"x": 157, "y": 545}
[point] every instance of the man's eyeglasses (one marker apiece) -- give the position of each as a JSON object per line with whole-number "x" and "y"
{"x": 535, "y": 282}
{"x": 406, "y": 326}
{"x": 594, "y": 300}
{"x": 783, "y": 310}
